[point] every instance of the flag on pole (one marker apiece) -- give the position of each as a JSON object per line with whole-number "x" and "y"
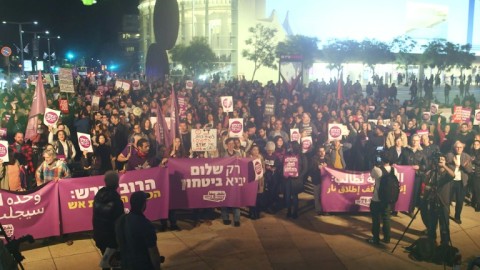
{"x": 25, "y": 50}
{"x": 340, "y": 87}
{"x": 45, "y": 55}
{"x": 173, "y": 116}
{"x": 39, "y": 104}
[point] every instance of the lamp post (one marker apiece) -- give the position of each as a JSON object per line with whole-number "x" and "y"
{"x": 20, "y": 34}
{"x": 48, "y": 37}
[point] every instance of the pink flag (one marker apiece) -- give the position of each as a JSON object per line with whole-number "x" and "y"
{"x": 39, "y": 104}
{"x": 173, "y": 116}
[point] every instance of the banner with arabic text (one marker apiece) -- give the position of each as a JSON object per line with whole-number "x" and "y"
{"x": 212, "y": 182}
{"x": 34, "y": 212}
{"x": 351, "y": 191}
{"x": 76, "y": 196}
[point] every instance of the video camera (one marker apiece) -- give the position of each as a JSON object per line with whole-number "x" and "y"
{"x": 13, "y": 246}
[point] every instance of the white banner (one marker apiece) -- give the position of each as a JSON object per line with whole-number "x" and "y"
{"x": 4, "y": 151}
{"x": 51, "y": 117}
{"x": 227, "y": 103}
{"x": 85, "y": 142}
{"x": 235, "y": 127}
{"x": 204, "y": 140}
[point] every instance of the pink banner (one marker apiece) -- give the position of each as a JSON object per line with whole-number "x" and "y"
{"x": 76, "y": 196}
{"x": 213, "y": 182}
{"x": 35, "y": 212}
{"x": 350, "y": 191}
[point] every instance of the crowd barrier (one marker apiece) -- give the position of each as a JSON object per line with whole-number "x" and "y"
{"x": 66, "y": 206}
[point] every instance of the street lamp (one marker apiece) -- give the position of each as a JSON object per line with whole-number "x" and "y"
{"x": 20, "y": 34}
{"x": 48, "y": 37}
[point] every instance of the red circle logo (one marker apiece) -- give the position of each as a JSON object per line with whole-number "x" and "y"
{"x": 236, "y": 127}
{"x": 51, "y": 118}
{"x": 3, "y": 150}
{"x": 84, "y": 141}
{"x": 335, "y": 132}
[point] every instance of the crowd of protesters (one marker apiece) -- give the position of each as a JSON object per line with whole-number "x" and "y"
{"x": 125, "y": 139}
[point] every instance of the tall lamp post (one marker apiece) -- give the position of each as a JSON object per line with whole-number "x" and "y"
{"x": 20, "y": 34}
{"x": 48, "y": 37}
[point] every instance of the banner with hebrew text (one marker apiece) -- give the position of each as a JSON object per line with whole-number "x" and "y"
{"x": 76, "y": 196}
{"x": 351, "y": 191}
{"x": 212, "y": 182}
{"x": 34, "y": 212}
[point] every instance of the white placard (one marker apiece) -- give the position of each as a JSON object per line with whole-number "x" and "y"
{"x": 258, "y": 169}
{"x": 85, "y": 142}
{"x": 153, "y": 120}
{"x": 334, "y": 132}
{"x": 65, "y": 80}
{"x": 204, "y": 140}
{"x": 235, "y": 127}
{"x": 227, "y": 103}
{"x": 51, "y": 117}
{"x": 136, "y": 84}
{"x": 95, "y": 103}
{"x": 426, "y": 116}
{"x": 4, "y": 151}
{"x": 189, "y": 84}
{"x": 476, "y": 119}
{"x": 295, "y": 135}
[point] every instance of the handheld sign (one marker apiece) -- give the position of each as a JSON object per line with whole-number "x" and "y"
{"x": 51, "y": 117}
{"x": 294, "y": 135}
{"x": 476, "y": 120}
{"x": 433, "y": 108}
{"x": 189, "y": 84}
{"x": 85, "y": 142}
{"x": 307, "y": 143}
{"x": 4, "y": 151}
{"x": 334, "y": 132}
{"x": 258, "y": 168}
{"x": 227, "y": 103}
{"x": 235, "y": 127}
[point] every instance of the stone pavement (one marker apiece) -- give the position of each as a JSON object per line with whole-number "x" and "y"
{"x": 272, "y": 242}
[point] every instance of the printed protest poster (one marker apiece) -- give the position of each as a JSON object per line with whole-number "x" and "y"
{"x": 352, "y": 191}
{"x": 189, "y": 84}
{"x": 295, "y": 135}
{"x": 65, "y": 80}
{"x": 153, "y": 120}
{"x": 334, "y": 132}
{"x": 476, "y": 120}
{"x": 204, "y": 140}
{"x": 95, "y": 103}
{"x": 461, "y": 115}
{"x": 4, "y": 151}
{"x": 258, "y": 169}
{"x": 63, "y": 105}
{"x": 446, "y": 112}
{"x": 269, "y": 107}
{"x": 35, "y": 212}
{"x": 290, "y": 166}
{"x": 136, "y": 85}
{"x": 121, "y": 84}
{"x": 212, "y": 182}
{"x": 307, "y": 144}
{"x": 235, "y": 127}
{"x": 85, "y": 142}
{"x": 227, "y": 103}
{"x": 51, "y": 117}
{"x": 434, "y": 108}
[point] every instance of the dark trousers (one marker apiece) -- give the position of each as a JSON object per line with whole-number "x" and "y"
{"x": 458, "y": 195}
{"x": 380, "y": 213}
{"x": 439, "y": 214}
{"x": 291, "y": 197}
{"x": 476, "y": 192}
{"x": 172, "y": 217}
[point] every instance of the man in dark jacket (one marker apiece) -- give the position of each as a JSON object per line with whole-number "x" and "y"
{"x": 107, "y": 207}
{"x": 119, "y": 138}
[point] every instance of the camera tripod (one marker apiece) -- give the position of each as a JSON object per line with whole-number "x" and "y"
{"x": 433, "y": 205}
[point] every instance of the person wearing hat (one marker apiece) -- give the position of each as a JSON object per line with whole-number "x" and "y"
{"x": 107, "y": 208}
{"x": 136, "y": 236}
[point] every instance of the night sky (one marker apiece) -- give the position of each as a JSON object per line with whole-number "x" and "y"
{"x": 88, "y": 31}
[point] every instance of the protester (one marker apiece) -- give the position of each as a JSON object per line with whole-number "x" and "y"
{"x": 52, "y": 169}
{"x": 294, "y": 184}
{"x": 230, "y": 152}
{"x": 107, "y": 208}
{"x": 318, "y": 164}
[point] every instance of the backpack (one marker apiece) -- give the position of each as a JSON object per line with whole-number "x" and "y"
{"x": 423, "y": 249}
{"x": 389, "y": 187}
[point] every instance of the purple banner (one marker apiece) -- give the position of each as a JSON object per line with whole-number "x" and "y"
{"x": 76, "y": 196}
{"x": 350, "y": 191}
{"x": 213, "y": 182}
{"x": 34, "y": 212}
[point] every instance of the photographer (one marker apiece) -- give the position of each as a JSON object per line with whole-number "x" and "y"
{"x": 380, "y": 210}
{"x": 437, "y": 194}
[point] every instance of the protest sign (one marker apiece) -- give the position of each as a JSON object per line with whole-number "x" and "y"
{"x": 189, "y": 84}
{"x": 290, "y": 166}
{"x": 4, "y": 152}
{"x": 476, "y": 120}
{"x": 294, "y": 135}
{"x": 334, "y": 132}
{"x": 85, "y": 142}
{"x": 204, "y": 140}
{"x": 258, "y": 169}
{"x": 51, "y": 117}
{"x": 65, "y": 80}
{"x": 434, "y": 108}
{"x": 3, "y": 133}
{"x": 227, "y": 103}
{"x": 136, "y": 85}
{"x": 235, "y": 127}
{"x": 307, "y": 144}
